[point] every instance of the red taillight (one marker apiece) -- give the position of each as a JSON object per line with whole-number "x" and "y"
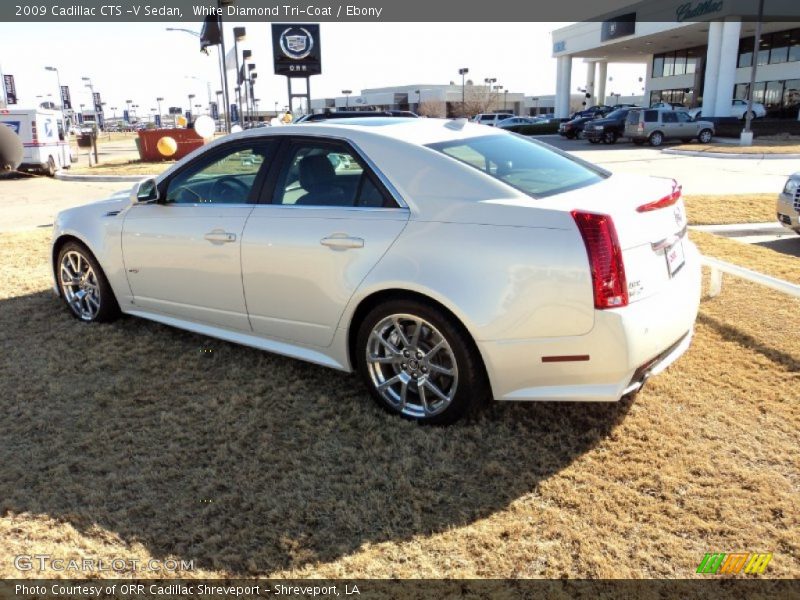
{"x": 605, "y": 259}
{"x": 664, "y": 202}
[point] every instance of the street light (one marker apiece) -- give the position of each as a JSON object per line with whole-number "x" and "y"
{"x": 60, "y": 94}
{"x": 159, "y": 100}
{"x": 347, "y": 98}
{"x": 499, "y": 87}
{"x": 462, "y": 72}
{"x": 490, "y": 81}
{"x": 222, "y": 65}
{"x": 239, "y": 34}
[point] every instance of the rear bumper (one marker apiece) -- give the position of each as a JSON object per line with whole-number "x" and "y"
{"x": 593, "y": 135}
{"x": 33, "y": 166}
{"x": 624, "y": 348}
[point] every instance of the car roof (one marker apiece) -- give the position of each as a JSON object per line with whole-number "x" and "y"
{"x": 410, "y": 130}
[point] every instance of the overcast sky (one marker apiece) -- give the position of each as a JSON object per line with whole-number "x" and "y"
{"x": 141, "y": 61}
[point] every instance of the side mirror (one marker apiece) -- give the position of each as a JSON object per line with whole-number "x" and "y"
{"x": 145, "y": 192}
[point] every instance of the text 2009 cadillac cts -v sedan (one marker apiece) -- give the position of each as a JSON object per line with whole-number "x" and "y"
{"x": 443, "y": 261}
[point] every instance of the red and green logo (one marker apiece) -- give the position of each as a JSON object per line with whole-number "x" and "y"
{"x": 721, "y": 563}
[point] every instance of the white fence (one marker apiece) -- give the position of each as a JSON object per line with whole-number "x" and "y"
{"x": 718, "y": 267}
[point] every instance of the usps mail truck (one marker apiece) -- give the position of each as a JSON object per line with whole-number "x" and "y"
{"x": 44, "y": 137}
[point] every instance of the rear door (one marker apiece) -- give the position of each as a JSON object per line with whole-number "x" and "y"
{"x": 670, "y": 124}
{"x": 330, "y": 220}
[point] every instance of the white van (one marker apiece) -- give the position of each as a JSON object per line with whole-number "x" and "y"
{"x": 491, "y": 118}
{"x": 44, "y": 137}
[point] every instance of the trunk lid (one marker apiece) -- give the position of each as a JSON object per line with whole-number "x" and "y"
{"x": 650, "y": 222}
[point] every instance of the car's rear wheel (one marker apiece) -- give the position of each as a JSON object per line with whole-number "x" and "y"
{"x": 609, "y": 137}
{"x": 50, "y": 169}
{"x": 417, "y": 362}
{"x": 705, "y": 136}
{"x": 656, "y": 138}
{"x": 84, "y": 286}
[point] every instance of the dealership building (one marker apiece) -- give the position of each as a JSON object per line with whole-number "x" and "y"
{"x": 697, "y": 52}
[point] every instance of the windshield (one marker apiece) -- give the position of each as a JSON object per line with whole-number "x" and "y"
{"x": 529, "y": 166}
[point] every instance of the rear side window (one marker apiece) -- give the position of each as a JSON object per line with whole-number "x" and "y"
{"x": 651, "y": 116}
{"x": 524, "y": 164}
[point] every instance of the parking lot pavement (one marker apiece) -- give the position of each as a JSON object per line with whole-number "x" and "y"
{"x": 30, "y": 202}
{"x": 697, "y": 175}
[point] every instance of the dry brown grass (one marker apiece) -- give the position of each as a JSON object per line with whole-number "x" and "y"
{"x": 760, "y": 146}
{"x": 128, "y": 440}
{"x": 702, "y": 209}
{"x": 749, "y": 256}
{"x": 132, "y": 167}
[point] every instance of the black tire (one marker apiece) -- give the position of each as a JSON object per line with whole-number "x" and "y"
{"x": 610, "y": 137}
{"x": 656, "y": 139}
{"x": 108, "y": 309}
{"x": 594, "y": 141}
{"x": 50, "y": 169}
{"x": 570, "y": 135}
{"x": 471, "y": 385}
{"x": 705, "y": 136}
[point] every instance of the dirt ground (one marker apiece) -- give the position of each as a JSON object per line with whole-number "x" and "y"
{"x": 732, "y": 208}
{"x": 135, "y": 440}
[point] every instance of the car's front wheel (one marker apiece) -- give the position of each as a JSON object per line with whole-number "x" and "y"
{"x": 84, "y": 286}
{"x": 705, "y": 136}
{"x": 609, "y": 137}
{"x": 417, "y": 362}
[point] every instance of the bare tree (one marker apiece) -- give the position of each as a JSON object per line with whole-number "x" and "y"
{"x": 432, "y": 108}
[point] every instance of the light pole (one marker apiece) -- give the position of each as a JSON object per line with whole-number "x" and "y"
{"x": 159, "y": 100}
{"x": 239, "y": 34}
{"x": 60, "y": 92}
{"x": 505, "y": 99}
{"x": 347, "y": 98}
{"x": 89, "y": 85}
{"x": 222, "y": 68}
{"x": 746, "y": 139}
{"x": 189, "y": 108}
{"x": 500, "y": 87}
{"x": 490, "y": 81}
{"x": 463, "y": 71}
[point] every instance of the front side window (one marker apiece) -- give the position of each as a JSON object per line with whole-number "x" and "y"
{"x": 328, "y": 174}
{"x": 669, "y": 117}
{"x": 226, "y": 177}
{"x": 684, "y": 117}
{"x": 521, "y": 163}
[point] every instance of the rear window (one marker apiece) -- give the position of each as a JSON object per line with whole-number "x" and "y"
{"x": 633, "y": 117}
{"x": 524, "y": 164}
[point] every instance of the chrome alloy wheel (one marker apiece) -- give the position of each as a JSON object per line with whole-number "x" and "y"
{"x": 412, "y": 366}
{"x": 79, "y": 285}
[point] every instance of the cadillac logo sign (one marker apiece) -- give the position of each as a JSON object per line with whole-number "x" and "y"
{"x": 296, "y": 49}
{"x": 296, "y": 42}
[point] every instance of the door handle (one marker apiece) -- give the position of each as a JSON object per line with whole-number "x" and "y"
{"x": 220, "y": 237}
{"x": 339, "y": 241}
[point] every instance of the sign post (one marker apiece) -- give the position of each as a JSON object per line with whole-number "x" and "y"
{"x": 298, "y": 55}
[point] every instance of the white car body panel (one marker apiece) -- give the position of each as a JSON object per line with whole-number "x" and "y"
{"x": 513, "y": 269}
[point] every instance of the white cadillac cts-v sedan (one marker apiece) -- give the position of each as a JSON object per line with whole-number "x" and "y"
{"x": 443, "y": 261}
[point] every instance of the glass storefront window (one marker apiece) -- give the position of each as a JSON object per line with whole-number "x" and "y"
{"x": 658, "y": 66}
{"x": 691, "y": 64}
{"x": 758, "y": 92}
{"x": 773, "y": 96}
{"x": 780, "y": 47}
{"x": 791, "y": 96}
{"x": 669, "y": 65}
{"x": 763, "y": 53}
{"x": 680, "y": 63}
{"x": 794, "y": 48}
{"x": 746, "y": 52}
{"x": 740, "y": 91}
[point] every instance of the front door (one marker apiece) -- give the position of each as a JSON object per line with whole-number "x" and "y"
{"x": 330, "y": 221}
{"x": 182, "y": 254}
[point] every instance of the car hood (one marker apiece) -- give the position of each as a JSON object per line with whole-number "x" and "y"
{"x": 607, "y": 121}
{"x": 115, "y": 203}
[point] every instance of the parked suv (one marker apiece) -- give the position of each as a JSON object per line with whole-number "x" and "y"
{"x": 789, "y": 204}
{"x": 607, "y": 129}
{"x": 656, "y": 125}
{"x": 492, "y": 118}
